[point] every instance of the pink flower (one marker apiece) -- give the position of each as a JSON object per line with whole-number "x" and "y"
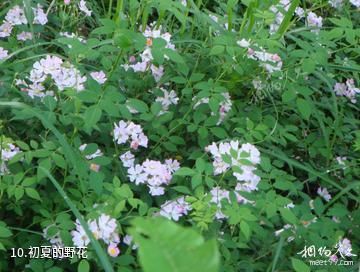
{"x": 66, "y": 2}
{"x": 113, "y": 250}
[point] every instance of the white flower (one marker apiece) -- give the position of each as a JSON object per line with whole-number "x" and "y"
{"x": 94, "y": 228}
{"x": 107, "y": 226}
{"x": 130, "y": 131}
{"x": 16, "y": 16}
{"x": 168, "y": 98}
{"x": 8, "y": 151}
{"x": 3, "y": 53}
{"x": 79, "y": 237}
{"x": 341, "y": 160}
{"x": 84, "y": 8}
{"x": 39, "y": 15}
{"x": 97, "y": 153}
{"x": 137, "y": 175}
{"x": 157, "y": 72}
{"x": 156, "y": 190}
{"x": 128, "y": 240}
{"x": 314, "y": 21}
{"x": 236, "y": 153}
{"x": 347, "y": 89}
{"x": 100, "y": 77}
{"x": 175, "y": 209}
{"x": 244, "y": 43}
{"x": 300, "y": 12}
{"x": 218, "y": 195}
{"x": 323, "y": 192}
{"x": 356, "y": 3}
{"x": 172, "y": 165}
{"x": 146, "y": 55}
{"x": 5, "y": 29}
{"x": 345, "y": 248}
{"x": 127, "y": 159}
{"x": 254, "y": 154}
{"x": 24, "y": 36}
{"x": 121, "y": 133}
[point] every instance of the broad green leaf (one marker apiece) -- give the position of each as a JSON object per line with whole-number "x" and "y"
{"x": 83, "y": 266}
{"x": 32, "y": 193}
{"x": 166, "y": 246}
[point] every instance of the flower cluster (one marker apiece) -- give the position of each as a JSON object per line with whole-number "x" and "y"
{"x": 224, "y": 105}
{"x": 271, "y": 62}
{"x": 168, "y": 98}
{"x": 63, "y": 74}
{"x": 355, "y": 3}
{"x": 103, "y": 228}
{"x": 242, "y": 160}
{"x": 174, "y": 209}
{"x": 7, "y": 152}
{"x": 153, "y": 173}
{"x": 347, "y": 89}
{"x": 150, "y": 34}
{"x": 16, "y": 16}
{"x": 125, "y": 131}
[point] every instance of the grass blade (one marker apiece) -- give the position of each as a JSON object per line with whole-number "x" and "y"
{"x": 98, "y": 249}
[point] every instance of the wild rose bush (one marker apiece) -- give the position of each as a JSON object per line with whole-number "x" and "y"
{"x": 238, "y": 120}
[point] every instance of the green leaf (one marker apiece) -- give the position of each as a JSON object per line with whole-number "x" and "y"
{"x": 185, "y": 171}
{"x": 19, "y": 192}
{"x": 196, "y": 180}
{"x": 92, "y": 116}
{"x": 308, "y": 65}
{"x": 304, "y": 107}
{"x": 4, "y": 232}
{"x": 32, "y": 193}
{"x": 137, "y": 104}
{"x": 288, "y": 95}
{"x": 83, "y": 266}
{"x": 245, "y": 229}
{"x": 166, "y": 246}
{"x": 299, "y": 265}
{"x": 288, "y": 215}
{"x": 219, "y": 132}
{"x": 217, "y": 50}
